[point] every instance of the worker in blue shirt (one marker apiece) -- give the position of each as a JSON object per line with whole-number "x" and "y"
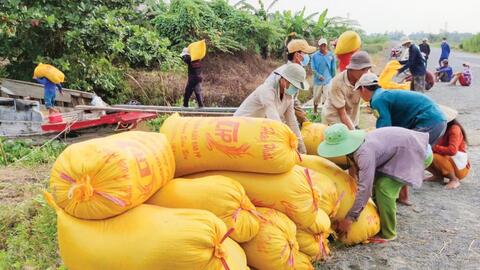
{"x": 324, "y": 67}
{"x": 50, "y": 90}
{"x": 416, "y": 64}
{"x": 445, "y": 51}
{"x": 444, "y": 73}
{"x": 405, "y": 109}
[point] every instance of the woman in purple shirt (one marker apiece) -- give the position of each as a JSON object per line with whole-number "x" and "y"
{"x": 384, "y": 161}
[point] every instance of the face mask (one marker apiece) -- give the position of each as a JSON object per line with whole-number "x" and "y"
{"x": 306, "y": 60}
{"x": 291, "y": 91}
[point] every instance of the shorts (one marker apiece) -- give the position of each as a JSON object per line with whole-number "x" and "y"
{"x": 320, "y": 93}
{"x": 49, "y": 100}
{"x": 463, "y": 80}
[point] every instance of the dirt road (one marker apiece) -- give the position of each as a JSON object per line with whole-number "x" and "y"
{"x": 442, "y": 229}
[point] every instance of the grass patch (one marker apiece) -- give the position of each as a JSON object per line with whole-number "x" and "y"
{"x": 155, "y": 124}
{"x": 26, "y": 153}
{"x": 28, "y": 235}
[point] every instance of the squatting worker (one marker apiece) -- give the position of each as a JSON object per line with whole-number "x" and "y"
{"x": 343, "y": 104}
{"x": 194, "y": 79}
{"x": 324, "y": 68}
{"x": 405, "y": 109}
{"x": 416, "y": 64}
{"x": 385, "y": 160}
{"x": 298, "y": 51}
{"x": 274, "y": 99}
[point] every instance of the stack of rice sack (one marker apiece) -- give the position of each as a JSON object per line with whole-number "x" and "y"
{"x": 98, "y": 188}
{"x": 260, "y": 155}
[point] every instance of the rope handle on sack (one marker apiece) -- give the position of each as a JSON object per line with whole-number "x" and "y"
{"x": 88, "y": 190}
{"x": 299, "y": 155}
{"x": 314, "y": 194}
{"x": 219, "y": 253}
{"x": 321, "y": 247}
{"x": 252, "y": 211}
{"x": 337, "y": 203}
{"x": 291, "y": 259}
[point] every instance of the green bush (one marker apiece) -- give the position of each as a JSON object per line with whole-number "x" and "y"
{"x": 472, "y": 44}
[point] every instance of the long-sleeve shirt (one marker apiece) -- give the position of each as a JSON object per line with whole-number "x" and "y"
{"x": 405, "y": 109}
{"x": 48, "y": 86}
{"x": 323, "y": 65}
{"x": 425, "y": 48}
{"x": 194, "y": 67}
{"x": 392, "y": 151}
{"x": 445, "y": 50}
{"x": 415, "y": 62}
{"x": 265, "y": 102}
{"x": 450, "y": 143}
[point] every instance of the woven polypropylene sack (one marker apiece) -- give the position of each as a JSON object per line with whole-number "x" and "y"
{"x": 348, "y": 41}
{"x": 104, "y": 177}
{"x": 327, "y": 193}
{"x": 147, "y": 237}
{"x": 345, "y": 184}
{"x": 230, "y": 143}
{"x": 291, "y": 193}
{"x": 366, "y": 226}
{"x": 50, "y": 72}
{"x": 197, "y": 50}
{"x": 312, "y": 134}
{"x": 218, "y": 194}
{"x": 313, "y": 241}
{"x": 385, "y": 80}
{"x": 275, "y": 247}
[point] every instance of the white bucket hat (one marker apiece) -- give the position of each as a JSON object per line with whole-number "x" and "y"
{"x": 294, "y": 74}
{"x": 367, "y": 79}
{"x": 185, "y": 51}
{"x": 322, "y": 41}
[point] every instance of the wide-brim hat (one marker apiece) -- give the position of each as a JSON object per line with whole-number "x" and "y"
{"x": 450, "y": 113}
{"x": 339, "y": 141}
{"x": 184, "y": 52}
{"x": 360, "y": 60}
{"x": 294, "y": 74}
{"x": 406, "y": 40}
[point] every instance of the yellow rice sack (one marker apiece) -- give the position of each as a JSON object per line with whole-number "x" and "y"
{"x": 147, "y": 237}
{"x": 104, "y": 177}
{"x": 50, "y": 72}
{"x": 346, "y": 185}
{"x": 313, "y": 240}
{"x": 348, "y": 41}
{"x": 291, "y": 193}
{"x": 230, "y": 143}
{"x": 312, "y": 134}
{"x": 218, "y": 194}
{"x": 197, "y": 50}
{"x": 275, "y": 247}
{"x": 367, "y": 226}
{"x": 327, "y": 193}
{"x": 385, "y": 80}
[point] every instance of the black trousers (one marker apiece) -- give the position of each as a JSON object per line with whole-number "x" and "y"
{"x": 193, "y": 86}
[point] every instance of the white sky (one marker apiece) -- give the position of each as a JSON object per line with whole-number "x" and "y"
{"x": 378, "y": 16}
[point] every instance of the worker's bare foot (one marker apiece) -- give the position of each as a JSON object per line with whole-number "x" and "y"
{"x": 433, "y": 178}
{"x": 404, "y": 202}
{"x": 453, "y": 184}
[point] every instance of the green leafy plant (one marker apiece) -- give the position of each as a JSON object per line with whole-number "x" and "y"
{"x": 156, "y": 124}
{"x": 12, "y": 151}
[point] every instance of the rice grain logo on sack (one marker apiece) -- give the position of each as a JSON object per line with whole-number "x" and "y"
{"x": 225, "y": 136}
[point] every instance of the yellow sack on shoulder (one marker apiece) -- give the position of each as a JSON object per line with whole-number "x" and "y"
{"x": 313, "y": 241}
{"x": 367, "y": 226}
{"x": 385, "y": 80}
{"x": 147, "y": 237}
{"x": 230, "y": 143}
{"x": 104, "y": 177}
{"x": 346, "y": 185}
{"x": 197, "y": 50}
{"x": 218, "y": 194}
{"x": 348, "y": 41}
{"x": 275, "y": 247}
{"x": 291, "y": 193}
{"x": 50, "y": 72}
{"x": 327, "y": 193}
